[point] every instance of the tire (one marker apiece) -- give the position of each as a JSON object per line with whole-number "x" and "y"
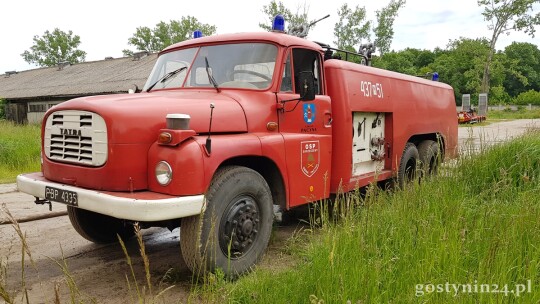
{"x": 99, "y": 228}
{"x": 233, "y": 232}
{"x": 430, "y": 157}
{"x": 407, "y": 170}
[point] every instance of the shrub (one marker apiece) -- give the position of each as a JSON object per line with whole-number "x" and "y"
{"x": 529, "y": 97}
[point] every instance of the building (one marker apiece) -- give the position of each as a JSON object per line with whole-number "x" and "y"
{"x": 29, "y": 94}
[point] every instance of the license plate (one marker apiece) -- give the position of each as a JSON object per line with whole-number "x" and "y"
{"x": 61, "y": 196}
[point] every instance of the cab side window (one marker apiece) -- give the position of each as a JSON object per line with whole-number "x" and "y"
{"x": 307, "y": 61}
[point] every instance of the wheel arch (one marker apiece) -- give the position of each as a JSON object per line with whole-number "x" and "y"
{"x": 437, "y": 137}
{"x": 268, "y": 169}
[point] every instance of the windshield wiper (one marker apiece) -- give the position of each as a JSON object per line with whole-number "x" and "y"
{"x": 210, "y": 77}
{"x": 165, "y": 77}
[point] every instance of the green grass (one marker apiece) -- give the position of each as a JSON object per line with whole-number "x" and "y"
{"x": 476, "y": 224}
{"x": 521, "y": 113}
{"x": 19, "y": 150}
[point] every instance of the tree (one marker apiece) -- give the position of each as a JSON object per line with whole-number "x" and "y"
{"x": 408, "y": 61}
{"x": 384, "y": 31}
{"x": 291, "y": 20}
{"x": 506, "y": 16}
{"x": 397, "y": 61}
{"x": 165, "y": 34}
{"x": 497, "y": 92}
{"x": 53, "y": 48}
{"x": 461, "y": 65}
{"x": 351, "y": 27}
{"x": 522, "y": 68}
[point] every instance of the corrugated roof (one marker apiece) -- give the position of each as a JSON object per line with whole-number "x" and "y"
{"x": 86, "y": 78}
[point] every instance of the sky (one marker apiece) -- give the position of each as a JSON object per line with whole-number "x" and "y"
{"x": 105, "y": 26}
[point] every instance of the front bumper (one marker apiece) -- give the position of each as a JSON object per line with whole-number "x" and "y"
{"x": 143, "y": 206}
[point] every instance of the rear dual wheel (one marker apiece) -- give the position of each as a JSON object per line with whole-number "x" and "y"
{"x": 430, "y": 157}
{"x": 233, "y": 231}
{"x": 418, "y": 162}
{"x": 407, "y": 170}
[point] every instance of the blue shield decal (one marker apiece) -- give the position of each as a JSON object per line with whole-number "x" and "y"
{"x": 309, "y": 113}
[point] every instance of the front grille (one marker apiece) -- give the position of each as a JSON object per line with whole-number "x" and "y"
{"x": 76, "y": 137}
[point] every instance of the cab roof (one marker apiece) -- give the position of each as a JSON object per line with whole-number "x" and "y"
{"x": 273, "y": 37}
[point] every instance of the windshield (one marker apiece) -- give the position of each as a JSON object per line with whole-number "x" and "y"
{"x": 241, "y": 65}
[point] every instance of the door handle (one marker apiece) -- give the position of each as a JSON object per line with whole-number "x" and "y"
{"x": 328, "y": 119}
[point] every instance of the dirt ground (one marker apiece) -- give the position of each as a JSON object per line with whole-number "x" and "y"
{"x": 476, "y": 137}
{"x": 100, "y": 271}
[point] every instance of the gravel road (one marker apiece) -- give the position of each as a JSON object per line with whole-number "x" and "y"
{"x": 100, "y": 270}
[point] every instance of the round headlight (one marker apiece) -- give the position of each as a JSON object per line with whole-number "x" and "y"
{"x": 163, "y": 173}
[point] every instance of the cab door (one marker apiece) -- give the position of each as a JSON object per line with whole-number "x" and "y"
{"x": 306, "y": 127}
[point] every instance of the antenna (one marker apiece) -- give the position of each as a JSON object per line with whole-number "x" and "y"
{"x": 208, "y": 144}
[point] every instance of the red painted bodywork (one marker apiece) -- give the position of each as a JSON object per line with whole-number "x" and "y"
{"x": 412, "y": 107}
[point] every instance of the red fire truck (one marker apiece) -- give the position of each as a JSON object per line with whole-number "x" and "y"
{"x": 226, "y": 128}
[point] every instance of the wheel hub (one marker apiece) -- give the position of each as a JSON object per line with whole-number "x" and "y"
{"x": 247, "y": 227}
{"x": 239, "y": 227}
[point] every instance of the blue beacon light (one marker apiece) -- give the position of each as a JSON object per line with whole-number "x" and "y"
{"x": 435, "y": 76}
{"x": 197, "y": 34}
{"x": 278, "y": 24}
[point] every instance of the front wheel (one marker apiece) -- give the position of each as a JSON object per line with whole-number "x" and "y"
{"x": 233, "y": 232}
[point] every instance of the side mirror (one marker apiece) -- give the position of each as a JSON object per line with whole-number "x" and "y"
{"x": 306, "y": 86}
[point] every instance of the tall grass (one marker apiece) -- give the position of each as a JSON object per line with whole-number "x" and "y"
{"x": 143, "y": 293}
{"x": 6, "y": 294}
{"x": 19, "y": 150}
{"x": 476, "y": 224}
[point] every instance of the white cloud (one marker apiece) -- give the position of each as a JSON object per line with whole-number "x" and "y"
{"x": 105, "y": 26}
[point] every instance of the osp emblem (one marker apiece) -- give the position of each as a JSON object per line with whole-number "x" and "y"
{"x": 309, "y": 113}
{"x": 310, "y": 157}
